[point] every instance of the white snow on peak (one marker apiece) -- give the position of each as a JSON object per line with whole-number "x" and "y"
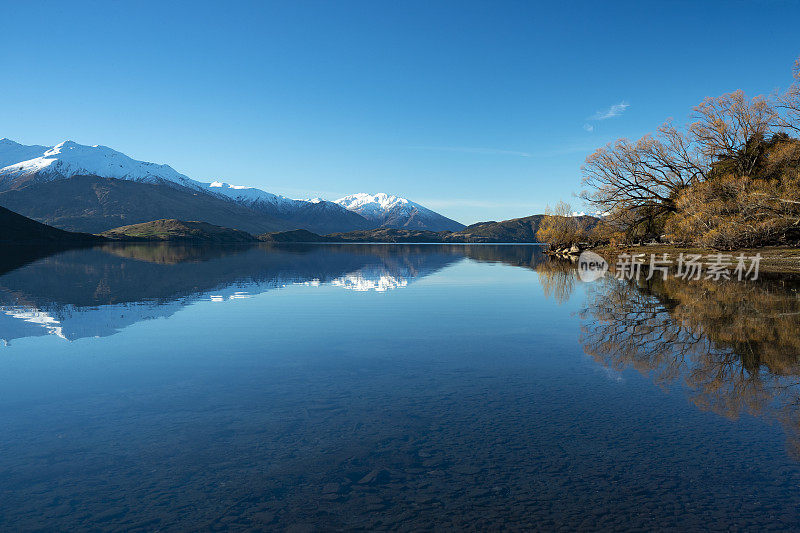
{"x": 68, "y": 159}
{"x": 362, "y": 200}
{"x": 255, "y": 198}
{"x": 13, "y": 152}
{"x": 376, "y": 206}
{"x": 246, "y": 194}
{"x": 226, "y": 185}
{"x": 395, "y": 212}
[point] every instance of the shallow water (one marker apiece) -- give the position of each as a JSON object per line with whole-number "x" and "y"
{"x": 325, "y": 387}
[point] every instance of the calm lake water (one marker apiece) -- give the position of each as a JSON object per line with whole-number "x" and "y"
{"x": 329, "y": 387}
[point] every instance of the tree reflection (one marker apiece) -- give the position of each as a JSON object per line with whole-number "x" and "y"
{"x": 557, "y": 278}
{"x": 735, "y": 345}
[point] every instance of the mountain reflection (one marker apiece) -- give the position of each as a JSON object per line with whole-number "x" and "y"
{"x": 98, "y": 291}
{"x": 734, "y": 345}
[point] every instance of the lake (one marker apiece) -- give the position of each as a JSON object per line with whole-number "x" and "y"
{"x": 329, "y": 387}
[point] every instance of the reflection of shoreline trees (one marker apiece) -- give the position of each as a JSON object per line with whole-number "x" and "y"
{"x": 557, "y": 277}
{"x": 735, "y": 345}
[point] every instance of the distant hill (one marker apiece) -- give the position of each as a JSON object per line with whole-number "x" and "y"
{"x": 18, "y": 229}
{"x": 392, "y": 235}
{"x": 514, "y": 230}
{"x": 298, "y": 235}
{"x": 178, "y": 230}
{"x": 517, "y": 230}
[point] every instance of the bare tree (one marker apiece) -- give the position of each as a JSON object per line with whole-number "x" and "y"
{"x": 788, "y": 102}
{"x": 731, "y": 127}
{"x": 636, "y": 182}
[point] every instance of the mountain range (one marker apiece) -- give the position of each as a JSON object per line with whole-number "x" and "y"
{"x": 95, "y": 188}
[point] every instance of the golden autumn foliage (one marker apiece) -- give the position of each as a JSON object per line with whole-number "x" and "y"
{"x": 737, "y": 212}
{"x": 559, "y": 228}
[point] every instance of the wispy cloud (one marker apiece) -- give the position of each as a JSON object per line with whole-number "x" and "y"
{"x": 613, "y": 111}
{"x": 471, "y": 150}
{"x": 588, "y": 127}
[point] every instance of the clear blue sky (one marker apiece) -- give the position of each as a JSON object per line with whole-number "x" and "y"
{"x": 479, "y": 110}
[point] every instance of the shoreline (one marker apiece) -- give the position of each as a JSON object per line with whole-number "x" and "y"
{"x": 774, "y": 259}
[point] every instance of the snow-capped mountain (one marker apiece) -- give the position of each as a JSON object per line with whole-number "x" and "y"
{"x": 68, "y": 159}
{"x": 31, "y": 174}
{"x": 395, "y": 212}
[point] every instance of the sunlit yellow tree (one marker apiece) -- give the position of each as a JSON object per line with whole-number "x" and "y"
{"x": 559, "y": 228}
